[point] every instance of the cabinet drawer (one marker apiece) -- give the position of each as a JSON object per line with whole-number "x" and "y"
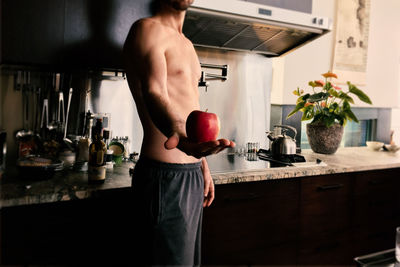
{"x": 252, "y": 223}
{"x": 325, "y": 205}
{"x": 378, "y": 183}
{"x": 327, "y": 249}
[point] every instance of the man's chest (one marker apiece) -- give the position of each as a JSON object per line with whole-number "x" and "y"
{"x": 182, "y": 61}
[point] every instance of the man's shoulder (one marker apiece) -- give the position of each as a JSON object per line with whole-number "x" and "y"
{"x": 146, "y": 26}
{"x": 145, "y": 33}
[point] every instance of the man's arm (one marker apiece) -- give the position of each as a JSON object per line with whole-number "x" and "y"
{"x": 153, "y": 75}
{"x": 209, "y": 192}
{"x": 153, "y": 78}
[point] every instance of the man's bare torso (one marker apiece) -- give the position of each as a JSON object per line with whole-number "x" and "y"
{"x": 182, "y": 75}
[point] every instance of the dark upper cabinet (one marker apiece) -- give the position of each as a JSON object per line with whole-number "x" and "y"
{"x": 95, "y": 30}
{"x": 32, "y": 31}
{"x": 68, "y": 33}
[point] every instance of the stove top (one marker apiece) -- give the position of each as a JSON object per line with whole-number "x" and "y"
{"x": 255, "y": 161}
{"x": 281, "y": 161}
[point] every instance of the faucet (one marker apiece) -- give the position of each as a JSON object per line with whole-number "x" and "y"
{"x": 205, "y": 77}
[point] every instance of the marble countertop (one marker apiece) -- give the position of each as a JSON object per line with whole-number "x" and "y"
{"x": 16, "y": 189}
{"x": 349, "y": 159}
{"x": 70, "y": 185}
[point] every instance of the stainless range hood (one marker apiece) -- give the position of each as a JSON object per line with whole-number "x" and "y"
{"x": 245, "y": 26}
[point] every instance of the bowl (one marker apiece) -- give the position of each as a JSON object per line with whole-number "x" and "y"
{"x": 392, "y": 148}
{"x": 374, "y": 145}
{"x": 118, "y": 151}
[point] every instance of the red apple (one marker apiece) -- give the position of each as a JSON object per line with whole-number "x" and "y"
{"x": 202, "y": 126}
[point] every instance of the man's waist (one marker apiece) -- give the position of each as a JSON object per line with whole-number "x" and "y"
{"x": 154, "y": 163}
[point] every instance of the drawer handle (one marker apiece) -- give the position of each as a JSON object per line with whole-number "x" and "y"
{"x": 329, "y": 187}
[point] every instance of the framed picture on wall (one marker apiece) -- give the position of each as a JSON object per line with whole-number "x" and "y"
{"x": 351, "y": 42}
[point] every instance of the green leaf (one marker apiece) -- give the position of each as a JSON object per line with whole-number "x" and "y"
{"x": 318, "y": 97}
{"x": 327, "y": 86}
{"x": 346, "y": 105}
{"x": 317, "y": 117}
{"x": 334, "y": 107}
{"x": 305, "y": 97}
{"x": 296, "y": 109}
{"x": 308, "y": 113}
{"x": 359, "y": 93}
{"x": 333, "y": 92}
{"x": 346, "y": 97}
{"x": 329, "y": 121}
{"x": 350, "y": 115}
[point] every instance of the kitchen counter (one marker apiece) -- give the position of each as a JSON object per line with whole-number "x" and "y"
{"x": 62, "y": 186}
{"x": 70, "y": 185}
{"x": 348, "y": 159}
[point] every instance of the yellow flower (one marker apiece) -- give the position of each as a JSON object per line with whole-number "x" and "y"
{"x": 319, "y": 83}
{"x": 308, "y": 104}
{"x": 329, "y": 74}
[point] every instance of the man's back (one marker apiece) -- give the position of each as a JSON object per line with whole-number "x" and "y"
{"x": 161, "y": 61}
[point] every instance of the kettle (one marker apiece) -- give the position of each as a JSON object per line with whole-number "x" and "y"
{"x": 282, "y": 145}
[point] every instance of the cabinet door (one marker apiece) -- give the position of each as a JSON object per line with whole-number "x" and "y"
{"x": 325, "y": 206}
{"x": 32, "y": 31}
{"x": 73, "y": 33}
{"x": 252, "y": 223}
{"x": 376, "y": 210}
{"x": 95, "y": 30}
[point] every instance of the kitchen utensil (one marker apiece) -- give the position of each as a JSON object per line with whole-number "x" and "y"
{"x": 3, "y": 149}
{"x": 283, "y": 144}
{"x": 67, "y": 141}
{"x": 25, "y": 107}
{"x": 55, "y": 123}
{"x": 44, "y": 123}
{"x": 38, "y": 167}
{"x": 45, "y": 118}
{"x": 37, "y": 110}
{"x": 275, "y": 160}
{"x": 61, "y": 119}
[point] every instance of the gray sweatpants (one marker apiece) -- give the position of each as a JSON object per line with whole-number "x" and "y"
{"x": 168, "y": 200}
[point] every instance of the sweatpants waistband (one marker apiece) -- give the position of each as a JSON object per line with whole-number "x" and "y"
{"x": 150, "y": 163}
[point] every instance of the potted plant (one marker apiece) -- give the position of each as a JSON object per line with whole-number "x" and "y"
{"x": 328, "y": 106}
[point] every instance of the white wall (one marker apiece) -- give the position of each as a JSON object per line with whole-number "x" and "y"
{"x": 383, "y": 67}
{"x": 304, "y": 64}
{"x": 242, "y": 102}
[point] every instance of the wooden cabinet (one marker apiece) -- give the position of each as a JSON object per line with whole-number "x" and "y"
{"x": 67, "y": 33}
{"x": 252, "y": 223}
{"x": 91, "y": 232}
{"x": 318, "y": 220}
{"x": 376, "y": 210}
{"x": 31, "y": 32}
{"x": 325, "y": 219}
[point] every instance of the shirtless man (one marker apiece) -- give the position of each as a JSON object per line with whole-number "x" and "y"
{"x": 171, "y": 181}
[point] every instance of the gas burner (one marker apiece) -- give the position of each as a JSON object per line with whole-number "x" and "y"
{"x": 283, "y": 160}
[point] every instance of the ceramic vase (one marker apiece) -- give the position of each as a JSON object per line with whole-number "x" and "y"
{"x": 324, "y": 140}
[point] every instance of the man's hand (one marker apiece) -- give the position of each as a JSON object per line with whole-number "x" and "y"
{"x": 197, "y": 150}
{"x": 209, "y": 192}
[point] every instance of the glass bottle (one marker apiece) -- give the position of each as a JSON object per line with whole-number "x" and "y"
{"x": 97, "y": 151}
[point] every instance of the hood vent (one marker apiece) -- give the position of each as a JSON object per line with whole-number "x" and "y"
{"x": 244, "y": 26}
